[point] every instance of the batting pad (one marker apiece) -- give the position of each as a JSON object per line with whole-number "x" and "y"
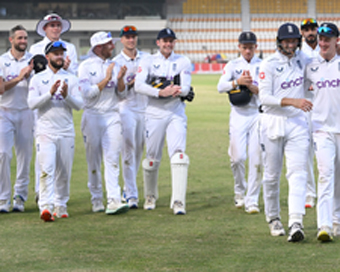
{"x": 179, "y": 174}
{"x": 150, "y": 173}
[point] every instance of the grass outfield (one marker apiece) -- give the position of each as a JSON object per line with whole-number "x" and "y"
{"x": 213, "y": 236}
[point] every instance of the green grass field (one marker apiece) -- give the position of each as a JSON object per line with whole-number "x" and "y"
{"x": 213, "y": 236}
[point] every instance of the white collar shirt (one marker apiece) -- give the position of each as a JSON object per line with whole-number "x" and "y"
{"x": 91, "y": 72}
{"x": 309, "y": 51}
{"x": 54, "y": 112}
{"x": 325, "y": 78}
{"x": 159, "y": 66}
{"x": 132, "y": 100}
{"x": 232, "y": 71}
{"x": 15, "y": 98}
{"x": 281, "y": 77}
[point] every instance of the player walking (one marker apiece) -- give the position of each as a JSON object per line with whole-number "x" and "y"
{"x": 132, "y": 110}
{"x": 50, "y": 28}
{"x": 243, "y": 121}
{"x": 16, "y": 121}
{"x": 324, "y": 73}
{"x": 54, "y": 92}
{"x": 165, "y": 116}
{"x": 101, "y": 82}
{"x": 284, "y": 130}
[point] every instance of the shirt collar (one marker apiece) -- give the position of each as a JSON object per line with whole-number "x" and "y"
{"x": 321, "y": 59}
{"x": 24, "y": 57}
{"x": 253, "y": 59}
{"x": 169, "y": 58}
{"x": 49, "y": 70}
{"x": 127, "y": 58}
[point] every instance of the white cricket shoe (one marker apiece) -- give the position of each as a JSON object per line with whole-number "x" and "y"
{"x": 150, "y": 203}
{"x": 5, "y": 205}
{"x": 115, "y": 206}
{"x": 252, "y": 209}
{"x": 178, "y": 208}
{"x": 296, "y": 233}
{"x": 60, "y": 212}
{"x": 276, "y": 227}
{"x": 97, "y": 205}
{"x": 310, "y": 202}
{"x": 18, "y": 204}
{"x": 133, "y": 203}
{"x": 325, "y": 234}
{"x": 239, "y": 201}
{"x": 336, "y": 230}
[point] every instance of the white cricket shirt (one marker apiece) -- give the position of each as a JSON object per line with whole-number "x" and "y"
{"x": 158, "y": 65}
{"x": 91, "y": 72}
{"x": 325, "y": 78}
{"x": 15, "y": 98}
{"x": 281, "y": 77}
{"x": 232, "y": 71}
{"x": 132, "y": 100}
{"x": 54, "y": 115}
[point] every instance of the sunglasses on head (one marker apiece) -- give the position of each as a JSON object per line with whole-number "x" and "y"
{"x": 129, "y": 28}
{"x": 308, "y": 21}
{"x": 326, "y": 29}
{"x": 57, "y": 44}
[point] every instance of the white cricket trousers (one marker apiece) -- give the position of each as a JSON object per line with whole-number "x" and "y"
{"x": 243, "y": 133}
{"x": 327, "y": 151}
{"x": 55, "y": 157}
{"x": 173, "y": 127}
{"x": 133, "y": 126}
{"x": 16, "y": 129}
{"x": 293, "y": 143}
{"x": 102, "y": 135}
{"x": 311, "y": 188}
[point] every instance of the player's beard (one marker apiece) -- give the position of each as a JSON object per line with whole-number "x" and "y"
{"x": 57, "y": 64}
{"x": 20, "y": 47}
{"x": 311, "y": 39}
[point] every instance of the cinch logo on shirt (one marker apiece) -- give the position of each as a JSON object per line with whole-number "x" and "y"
{"x": 10, "y": 77}
{"x": 328, "y": 83}
{"x": 292, "y": 83}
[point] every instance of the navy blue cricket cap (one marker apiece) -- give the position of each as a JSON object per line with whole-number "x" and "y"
{"x": 247, "y": 37}
{"x": 328, "y": 30}
{"x": 166, "y": 33}
{"x": 54, "y": 46}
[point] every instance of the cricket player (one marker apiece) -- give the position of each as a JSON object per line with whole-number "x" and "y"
{"x": 16, "y": 120}
{"x": 54, "y": 92}
{"x": 132, "y": 111}
{"x": 311, "y": 48}
{"x": 284, "y": 130}
{"x": 165, "y": 117}
{"x": 102, "y": 81}
{"x": 243, "y": 122}
{"x": 324, "y": 73}
{"x": 50, "y": 28}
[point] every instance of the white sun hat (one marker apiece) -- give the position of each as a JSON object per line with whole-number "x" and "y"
{"x": 101, "y": 37}
{"x": 53, "y": 17}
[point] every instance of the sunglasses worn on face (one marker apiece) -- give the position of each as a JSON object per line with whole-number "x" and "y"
{"x": 308, "y": 21}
